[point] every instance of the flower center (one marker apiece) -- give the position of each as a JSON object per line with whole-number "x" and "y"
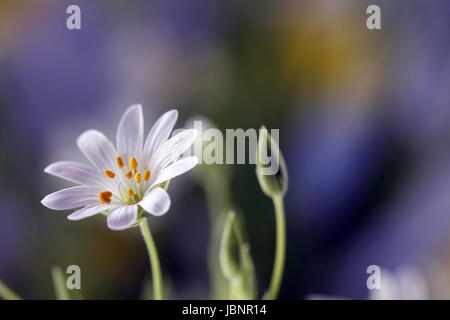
{"x": 130, "y": 190}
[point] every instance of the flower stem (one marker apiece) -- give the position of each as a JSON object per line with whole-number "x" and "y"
{"x": 280, "y": 251}
{"x": 154, "y": 260}
{"x": 7, "y": 294}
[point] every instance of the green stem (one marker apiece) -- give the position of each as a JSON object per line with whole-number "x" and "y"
{"x": 280, "y": 251}
{"x": 154, "y": 260}
{"x": 7, "y": 294}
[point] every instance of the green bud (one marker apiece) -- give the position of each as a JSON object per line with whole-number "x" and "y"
{"x": 236, "y": 262}
{"x": 271, "y": 168}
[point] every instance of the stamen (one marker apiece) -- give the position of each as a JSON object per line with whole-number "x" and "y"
{"x": 119, "y": 162}
{"x": 146, "y": 175}
{"x": 129, "y": 174}
{"x": 105, "y": 196}
{"x": 137, "y": 177}
{"x": 109, "y": 174}
{"x": 133, "y": 163}
{"x": 130, "y": 192}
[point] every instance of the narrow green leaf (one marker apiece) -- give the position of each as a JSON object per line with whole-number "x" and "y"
{"x": 59, "y": 283}
{"x": 6, "y": 293}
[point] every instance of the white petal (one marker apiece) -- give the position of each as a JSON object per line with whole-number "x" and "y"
{"x": 70, "y": 198}
{"x": 156, "y": 202}
{"x": 75, "y": 172}
{"x": 88, "y": 211}
{"x": 175, "y": 169}
{"x": 173, "y": 148}
{"x": 122, "y": 217}
{"x": 130, "y": 132}
{"x": 160, "y": 132}
{"x": 97, "y": 149}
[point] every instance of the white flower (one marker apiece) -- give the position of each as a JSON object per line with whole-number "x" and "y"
{"x": 123, "y": 179}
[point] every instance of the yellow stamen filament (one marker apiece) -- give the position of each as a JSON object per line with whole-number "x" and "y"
{"x": 130, "y": 192}
{"x": 137, "y": 177}
{"x": 105, "y": 196}
{"x": 146, "y": 175}
{"x": 129, "y": 174}
{"x": 133, "y": 163}
{"x": 109, "y": 174}
{"x": 119, "y": 162}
